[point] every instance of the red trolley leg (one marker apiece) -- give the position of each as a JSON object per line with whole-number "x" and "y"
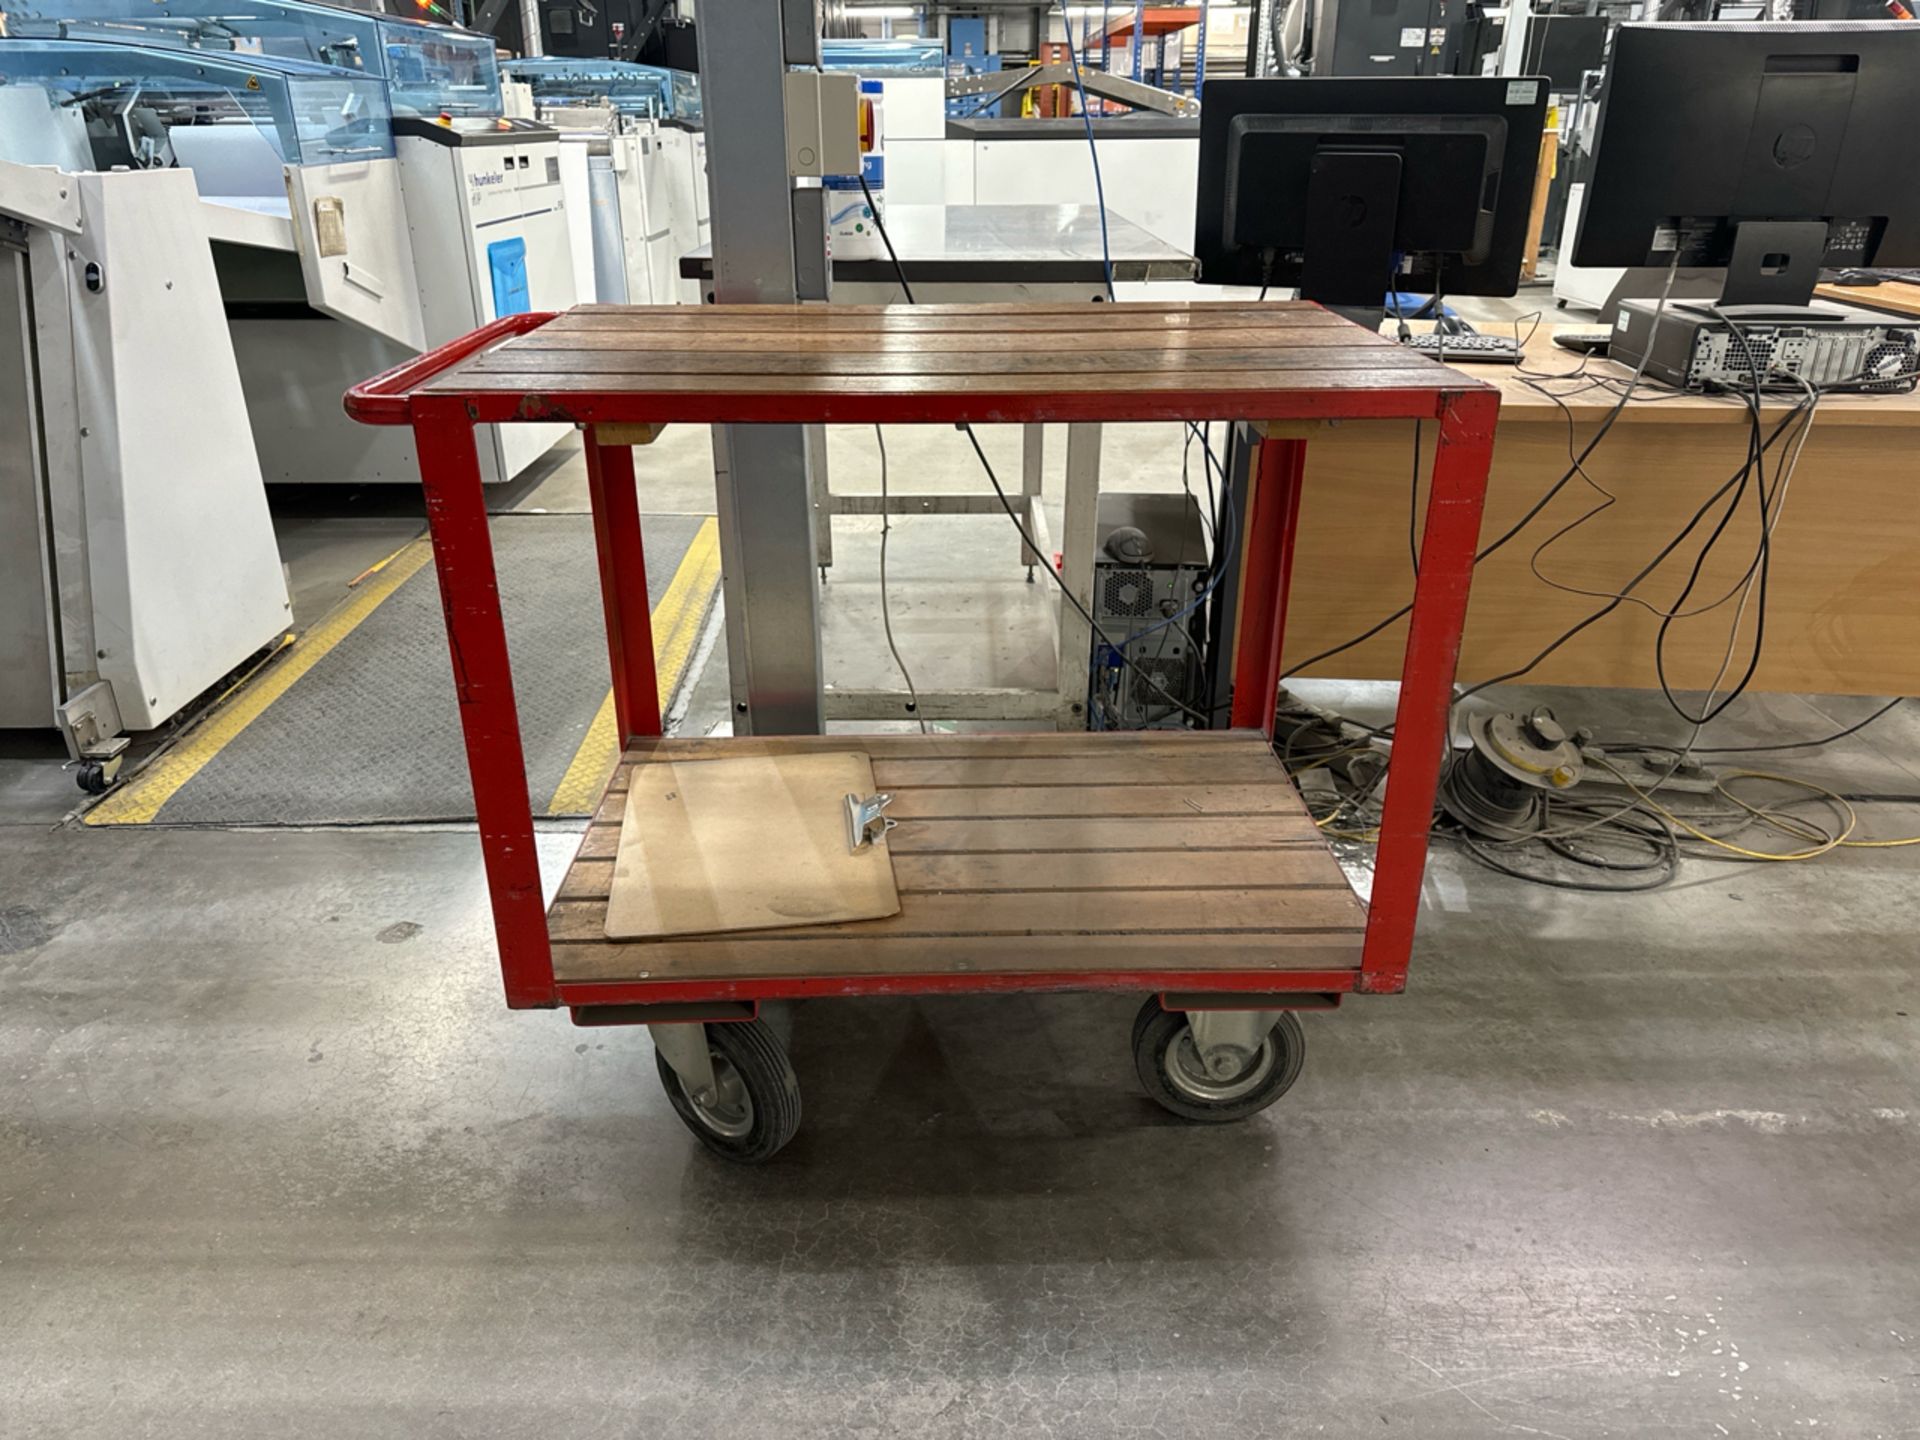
{"x": 483, "y": 680}
{"x": 1274, "y": 518}
{"x": 1447, "y": 545}
{"x": 623, "y": 588}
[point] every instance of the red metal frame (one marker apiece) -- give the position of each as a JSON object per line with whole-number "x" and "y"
{"x": 443, "y": 419}
{"x": 623, "y": 587}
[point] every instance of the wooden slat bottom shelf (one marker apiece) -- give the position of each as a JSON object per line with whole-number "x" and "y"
{"x": 1023, "y": 855}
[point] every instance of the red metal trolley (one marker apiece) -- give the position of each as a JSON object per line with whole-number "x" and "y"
{"x": 1179, "y": 865}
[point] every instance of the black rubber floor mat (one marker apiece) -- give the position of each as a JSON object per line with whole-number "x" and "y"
{"x": 371, "y": 733}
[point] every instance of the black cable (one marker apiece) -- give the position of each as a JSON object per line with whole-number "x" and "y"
{"x": 1738, "y": 479}
{"x": 1525, "y": 520}
{"x": 1072, "y": 599}
{"x": 1765, "y": 555}
{"x": 899, "y": 270}
{"x": 886, "y": 605}
{"x": 1853, "y": 729}
{"x": 1413, "y": 504}
{"x": 1600, "y": 433}
{"x": 900, "y": 274}
{"x": 1659, "y": 871}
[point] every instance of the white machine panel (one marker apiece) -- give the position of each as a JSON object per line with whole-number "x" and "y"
{"x": 28, "y": 659}
{"x": 645, "y": 225}
{"x": 349, "y": 223}
{"x": 176, "y": 561}
{"x": 917, "y": 172}
{"x": 1151, "y": 180}
{"x": 493, "y": 197}
{"x": 915, "y": 109}
{"x": 574, "y": 186}
{"x": 683, "y": 174}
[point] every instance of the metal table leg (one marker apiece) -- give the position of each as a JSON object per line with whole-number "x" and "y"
{"x": 1074, "y": 637}
{"x": 1447, "y": 544}
{"x": 483, "y": 685}
{"x": 823, "y": 511}
{"x": 1033, "y": 457}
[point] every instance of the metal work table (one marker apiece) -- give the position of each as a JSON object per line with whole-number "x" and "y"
{"x": 957, "y": 254}
{"x": 1006, "y": 248}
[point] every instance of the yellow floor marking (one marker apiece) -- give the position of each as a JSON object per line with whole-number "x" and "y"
{"x": 676, "y": 630}
{"x": 137, "y": 802}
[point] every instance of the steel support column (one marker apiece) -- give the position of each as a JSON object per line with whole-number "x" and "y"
{"x": 763, "y": 481}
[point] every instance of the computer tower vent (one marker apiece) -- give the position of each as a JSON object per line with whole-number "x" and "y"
{"x": 1127, "y": 593}
{"x": 1892, "y": 358}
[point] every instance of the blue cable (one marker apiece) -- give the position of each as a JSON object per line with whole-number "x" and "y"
{"x": 1221, "y": 551}
{"x": 1086, "y": 116}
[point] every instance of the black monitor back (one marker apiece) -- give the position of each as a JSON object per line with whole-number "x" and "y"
{"x": 1703, "y": 127}
{"x": 1468, "y": 153}
{"x": 1565, "y": 47}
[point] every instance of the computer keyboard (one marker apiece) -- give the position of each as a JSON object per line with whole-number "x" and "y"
{"x": 1584, "y": 342}
{"x": 1467, "y": 349}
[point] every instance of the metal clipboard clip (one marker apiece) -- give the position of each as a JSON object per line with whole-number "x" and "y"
{"x": 866, "y": 820}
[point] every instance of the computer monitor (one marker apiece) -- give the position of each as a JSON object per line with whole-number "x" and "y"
{"x": 1349, "y": 188}
{"x": 1772, "y": 150}
{"x": 1565, "y": 47}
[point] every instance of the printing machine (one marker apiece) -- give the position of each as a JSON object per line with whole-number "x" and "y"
{"x": 635, "y": 156}
{"x": 202, "y": 245}
{"x": 137, "y": 558}
{"x": 440, "y": 216}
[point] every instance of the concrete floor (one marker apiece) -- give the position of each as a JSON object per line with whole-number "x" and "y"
{"x": 275, "y": 1160}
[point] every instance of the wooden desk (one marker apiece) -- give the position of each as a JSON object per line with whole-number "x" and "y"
{"x": 1843, "y": 606}
{"x": 1892, "y": 297}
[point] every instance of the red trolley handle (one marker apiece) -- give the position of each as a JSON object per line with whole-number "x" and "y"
{"x": 386, "y": 399}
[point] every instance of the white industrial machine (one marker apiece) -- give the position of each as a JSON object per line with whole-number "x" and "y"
{"x": 137, "y": 559}
{"x": 630, "y": 204}
{"x": 643, "y": 179}
{"x": 368, "y": 198}
{"x": 387, "y": 257}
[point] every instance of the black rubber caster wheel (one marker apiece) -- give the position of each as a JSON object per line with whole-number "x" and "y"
{"x": 756, "y": 1105}
{"x": 1176, "y": 1079}
{"x": 92, "y": 777}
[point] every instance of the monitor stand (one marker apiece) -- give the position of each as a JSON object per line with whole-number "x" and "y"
{"x": 1353, "y": 204}
{"x": 1775, "y": 263}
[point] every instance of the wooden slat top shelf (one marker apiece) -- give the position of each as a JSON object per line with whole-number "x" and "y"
{"x": 1083, "y": 856}
{"x": 864, "y": 363}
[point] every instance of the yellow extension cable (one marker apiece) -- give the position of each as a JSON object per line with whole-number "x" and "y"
{"x": 1785, "y": 824}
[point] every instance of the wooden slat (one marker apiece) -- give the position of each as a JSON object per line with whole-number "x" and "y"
{"x": 1134, "y": 870}
{"x": 1011, "y": 319}
{"x": 1266, "y": 342}
{"x": 742, "y": 959}
{"x": 1236, "y": 832}
{"x": 1122, "y": 744}
{"x": 609, "y": 364}
{"x": 1013, "y": 801}
{"x": 1056, "y": 771}
{"x": 1041, "y": 915}
{"x": 1044, "y": 779}
{"x": 1402, "y": 371}
{"x": 1049, "y": 771}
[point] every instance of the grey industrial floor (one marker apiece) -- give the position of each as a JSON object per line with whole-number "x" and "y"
{"x": 274, "y": 1160}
